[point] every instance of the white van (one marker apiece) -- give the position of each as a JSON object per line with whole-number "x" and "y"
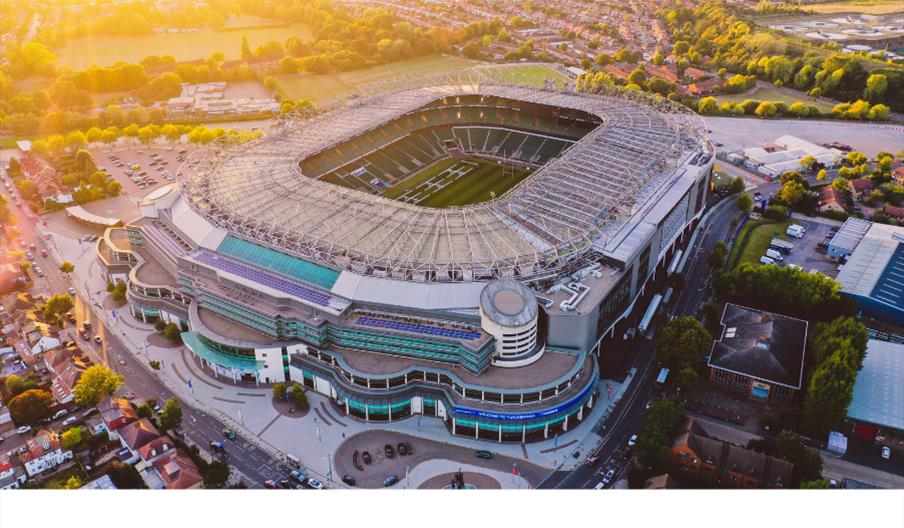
{"x": 795, "y": 231}
{"x": 774, "y": 255}
{"x": 766, "y": 260}
{"x": 599, "y": 486}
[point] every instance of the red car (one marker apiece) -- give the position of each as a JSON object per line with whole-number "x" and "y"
{"x": 43, "y": 252}
{"x": 270, "y": 484}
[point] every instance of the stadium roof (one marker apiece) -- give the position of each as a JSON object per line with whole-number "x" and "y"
{"x": 879, "y": 390}
{"x": 876, "y": 267}
{"x": 761, "y": 345}
{"x": 257, "y": 190}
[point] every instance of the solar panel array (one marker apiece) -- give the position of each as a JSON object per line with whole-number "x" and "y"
{"x": 262, "y": 277}
{"x": 419, "y": 328}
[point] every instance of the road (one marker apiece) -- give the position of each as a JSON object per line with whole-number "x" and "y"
{"x": 252, "y": 462}
{"x": 628, "y": 415}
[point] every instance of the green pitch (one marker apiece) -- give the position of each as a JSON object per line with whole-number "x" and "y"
{"x": 455, "y": 182}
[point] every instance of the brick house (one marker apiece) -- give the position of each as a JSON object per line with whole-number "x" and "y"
{"x": 178, "y": 471}
{"x": 860, "y": 188}
{"x": 705, "y": 87}
{"x": 116, "y": 413}
{"x": 136, "y": 435}
{"x": 893, "y": 211}
{"x": 696, "y": 456}
{"x": 830, "y": 200}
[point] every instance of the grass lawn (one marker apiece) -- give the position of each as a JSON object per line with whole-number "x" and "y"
{"x": 483, "y": 180}
{"x": 530, "y": 74}
{"x": 761, "y": 93}
{"x": 720, "y": 179}
{"x": 753, "y": 240}
{"x": 477, "y": 186}
{"x": 870, "y": 7}
{"x": 327, "y": 86}
{"x": 58, "y": 481}
{"x": 104, "y": 51}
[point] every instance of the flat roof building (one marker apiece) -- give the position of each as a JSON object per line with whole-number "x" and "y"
{"x": 874, "y": 272}
{"x": 877, "y": 405}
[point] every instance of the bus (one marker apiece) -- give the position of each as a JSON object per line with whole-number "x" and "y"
{"x": 663, "y": 376}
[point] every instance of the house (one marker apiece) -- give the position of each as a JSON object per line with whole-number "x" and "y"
{"x": 666, "y": 72}
{"x": 759, "y": 353}
{"x": 66, "y": 369}
{"x": 697, "y": 456}
{"x": 178, "y": 471}
{"x": 136, "y": 435}
{"x": 619, "y": 70}
{"x": 12, "y": 474}
{"x": 897, "y": 175}
{"x": 860, "y": 188}
{"x": 155, "y": 449}
{"x": 893, "y": 211}
{"x": 116, "y": 413}
{"x": 705, "y": 87}
{"x": 695, "y": 74}
{"x": 44, "y": 453}
{"x": 664, "y": 481}
{"x": 830, "y": 200}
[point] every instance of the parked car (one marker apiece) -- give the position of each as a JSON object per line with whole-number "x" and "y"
{"x": 298, "y": 476}
{"x": 632, "y": 441}
{"x": 315, "y": 484}
{"x": 59, "y": 414}
{"x": 886, "y": 452}
{"x": 229, "y": 433}
{"x": 285, "y": 484}
{"x": 483, "y": 454}
{"x": 69, "y": 421}
{"x": 349, "y": 480}
{"x": 24, "y": 429}
{"x": 608, "y": 477}
{"x": 71, "y": 291}
{"x": 270, "y": 484}
{"x": 391, "y": 480}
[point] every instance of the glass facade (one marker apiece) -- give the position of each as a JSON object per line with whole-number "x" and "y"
{"x": 279, "y": 262}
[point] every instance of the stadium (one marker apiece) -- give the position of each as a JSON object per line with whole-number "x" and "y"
{"x": 454, "y": 247}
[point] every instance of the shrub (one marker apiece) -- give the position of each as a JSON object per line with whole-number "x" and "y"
{"x": 776, "y": 212}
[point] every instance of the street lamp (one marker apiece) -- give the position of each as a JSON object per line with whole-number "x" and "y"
{"x": 329, "y": 461}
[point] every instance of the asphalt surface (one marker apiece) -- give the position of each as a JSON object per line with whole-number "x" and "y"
{"x": 252, "y": 462}
{"x": 627, "y": 417}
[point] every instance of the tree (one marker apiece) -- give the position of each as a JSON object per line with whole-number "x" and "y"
{"x": 297, "y": 396}
{"x": 807, "y": 162}
{"x": 815, "y": 484}
{"x": 821, "y": 175}
{"x": 828, "y": 396}
{"x": 686, "y": 380}
{"x": 144, "y": 410}
{"x": 879, "y": 112}
{"x": 96, "y": 382}
{"x": 708, "y": 106}
{"x": 738, "y": 185}
{"x": 57, "y": 305}
{"x": 279, "y": 391}
{"x": 67, "y": 267}
{"x": 683, "y": 342}
{"x": 876, "y": 85}
{"x": 766, "y": 109}
{"x": 73, "y": 483}
{"x": 124, "y": 476}
{"x": 744, "y": 203}
{"x": 16, "y": 385}
{"x": 173, "y": 332}
{"x": 653, "y": 439}
{"x": 216, "y": 474}
{"x": 30, "y": 407}
{"x": 716, "y": 258}
{"x": 118, "y": 292}
{"x": 159, "y": 325}
{"x": 71, "y": 438}
{"x": 246, "y": 49}
{"x": 171, "y": 417}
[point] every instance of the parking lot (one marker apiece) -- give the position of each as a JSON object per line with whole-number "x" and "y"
{"x": 807, "y": 252}
{"x": 142, "y": 169}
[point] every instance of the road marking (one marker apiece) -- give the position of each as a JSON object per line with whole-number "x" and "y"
{"x": 262, "y": 431}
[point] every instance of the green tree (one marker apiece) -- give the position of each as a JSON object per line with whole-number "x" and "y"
{"x": 298, "y": 397}
{"x": 807, "y": 162}
{"x": 71, "y": 438}
{"x": 16, "y": 385}
{"x": 30, "y": 407}
{"x": 879, "y": 112}
{"x": 216, "y": 474}
{"x": 67, "y": 267}
{"x": 246, "y": 49}
{"x": 686, "y": 380}
{"x": 171, "y": 417}
{"x": 821, "y": 175}
{"x": 654, "y": 437}
{"x": 828, "y": 396}
{"x": 815, "y": 484}
{"x": 96, "y": 383}
{"x": 876, "y": 86}
{"x": 738, "y": 185}
{"x": 766, "y": 109}
{"x": 73, "y": 483}
{"x": 716, "y": 258}
{"x": 124, "y": 476}
{"x": 57, "y": 305}
{"x": 173, "y": 332}
{"x": 744, "y": 203}
{"x": 279, "y": 391}
{"x": 708, "y": 106}
{"x": 683, "y": 342}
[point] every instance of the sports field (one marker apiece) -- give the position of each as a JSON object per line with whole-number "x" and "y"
{"x": 106, "y": 50}
{"x": 452, "y": 182}
{"x": 322, "y": 87}
{"x": 769, "y": 93}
